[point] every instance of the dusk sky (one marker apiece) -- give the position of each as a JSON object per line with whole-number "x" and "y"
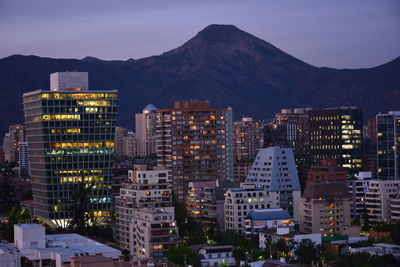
{"x": 335, "y": 33}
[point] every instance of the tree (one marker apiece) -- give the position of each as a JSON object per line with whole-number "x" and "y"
{"x": 80, "y": 207}
{"x": 282, "y": 248}
{"x": 183, "y": 256}
{"x": 306, "y": 251}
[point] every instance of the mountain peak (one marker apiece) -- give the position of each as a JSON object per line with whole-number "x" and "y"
{"x": 217, "y": 33}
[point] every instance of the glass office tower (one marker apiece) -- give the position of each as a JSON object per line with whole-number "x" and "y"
{"x": 71, "y": 134}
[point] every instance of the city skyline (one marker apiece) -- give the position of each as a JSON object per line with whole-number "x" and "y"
{"x": 339, "y": 34}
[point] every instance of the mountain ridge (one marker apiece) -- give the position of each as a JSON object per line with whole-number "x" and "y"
{"x": 222, "y": 64}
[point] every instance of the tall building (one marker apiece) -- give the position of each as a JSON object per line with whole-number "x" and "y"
{"x": 120, "y": 133}
{"x": 129, "y": 145}
{"x": 325, "y": 208}
{"x": 24, "y": 169}
{"x": 274, "y": 170}
{"x": 369, "y": 147}
{"x": 336, "y": 133}
{"x": 7, "y": 147}
{"x": 247, "y": 136}
{"x": 70, "y": 131}
{"x": 388, "y": 145}
{"x": 192, "y": 142}
{"x": 290, "y": 128}
{"x": 147, "y": 188}
{"x": 145, "y": 125}
{"x": 15, "y": 135}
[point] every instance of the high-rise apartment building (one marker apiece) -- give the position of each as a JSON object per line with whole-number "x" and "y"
{"x": 15, "y": 135}
{"x": 336, "y": 133}
{"x": 24, "y": 169}
{"x": 388, "y": 145}
{"x": 70, "y": 131}
{"x": 129, "y": 145}
{"x": 147, "y": 188}
{"x": 274, "y": 170}
{"x": 325, "y": 208}
{"x": 7, "y": 147}
{"x": 247, "y": 138}
{"x": 192, "y": 142}
{"x": 145, "y": 125}
{"x": 290, "y": 128}
{"x": 120, "y": 133}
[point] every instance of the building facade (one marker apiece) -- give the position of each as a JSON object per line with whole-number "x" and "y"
{"x": 358, "y": 188}
{"x": 70, "y": 132}
{"x": 153, "y": 232}
{"x": 24, "y": 166}
{"x": 388, "y": 145}
{"x": 274, "y": 170}
{"x": 327, "y": 171}
{"x": 147, "y": 188}
{"x": 145, "y": 125}
{"x": 192, "y": 141}
{"x": 239, "y": 202}
{"x": 248, "y": 138}
{"x": 337, "y": 133}
{"x": 378, "y": 199}
{"x": 325, "y": 208}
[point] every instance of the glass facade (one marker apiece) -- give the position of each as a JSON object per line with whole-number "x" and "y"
{"x": 337, "y": 134}
{"x": 388, "y": 140}
{"x": 71, "y": 139}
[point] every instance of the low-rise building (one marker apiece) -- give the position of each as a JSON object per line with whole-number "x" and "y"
{"x": 239, "y": 202}
{"x": 324, "y": 208}
{"x": 273, "y": 235}
{"x": 259, "y": 220}
{"x": 217, "y": 256}
{"x": 379, "y": 249}
{"x": 32, "y": 247}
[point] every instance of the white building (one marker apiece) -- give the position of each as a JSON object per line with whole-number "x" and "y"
{"x": 147, "y": 188}
{"x": 68, "y": 80}
{"x": 258, "y": 220}
{"x": 358, "y": 188}
{"x": 378, "y": 199}
{"x": 274, "y": 235}
{"x": 34, "y": 248}
{"x": 145, "y": 125}
{"x": 239, "y": 202}
{"x": 274, "y": 170}
{"x": 152, "y": 233}
{"x": 379, "y": 249}
{"x": 216, "y": 256}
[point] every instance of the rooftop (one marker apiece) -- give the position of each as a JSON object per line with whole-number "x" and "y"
{"x": 270, "y": 214}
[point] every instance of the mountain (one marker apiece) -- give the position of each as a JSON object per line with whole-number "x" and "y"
{"x": 222, "y": 64}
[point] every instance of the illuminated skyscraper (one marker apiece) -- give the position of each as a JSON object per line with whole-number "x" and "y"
{"x": 336, "y": 133}
{"x": 192, "y": 141}
{"x": 247, "y": 136}
{"x": 71, "y": 133}
{"x": 388, "y": 145}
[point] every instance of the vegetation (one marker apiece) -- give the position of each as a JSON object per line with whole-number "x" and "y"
{"x": 306, "y": 252}
{"x": 17, "y": 215}
{"x": 365, "y": 260}
{"x": 183, "y": 256}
